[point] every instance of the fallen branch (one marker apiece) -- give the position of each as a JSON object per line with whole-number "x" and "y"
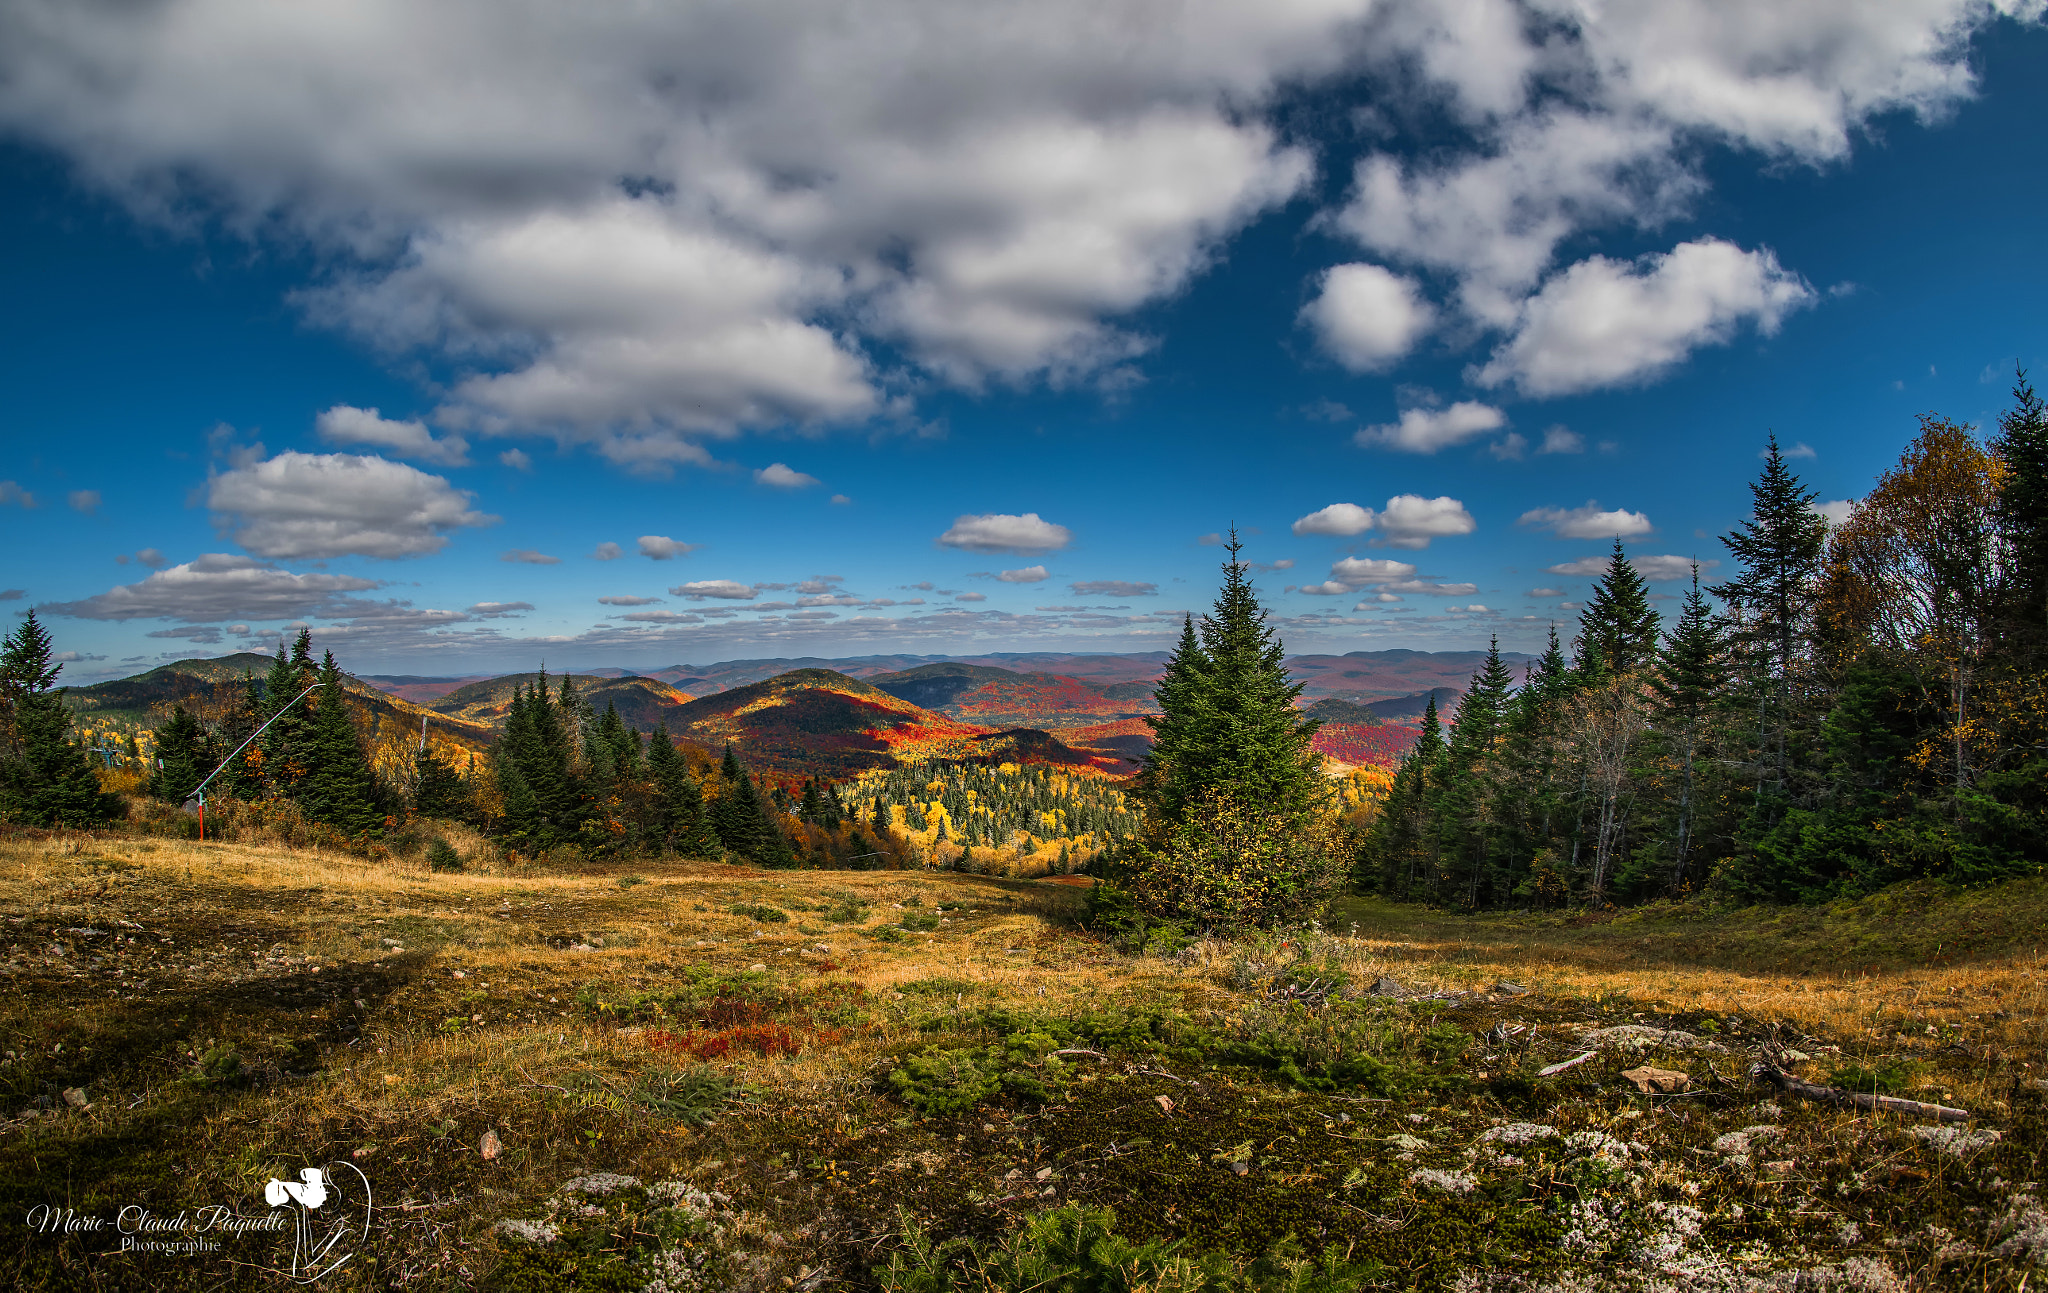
{"x": 1076, "y": 1050}
{"x": 1834, "y": 1095}
{"x": 1562, "y": 1065}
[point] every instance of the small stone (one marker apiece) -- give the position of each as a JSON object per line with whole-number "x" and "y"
{"x": 1511, "y": 989}
{"x": 1655, "y": 1080}
{"x": 1385, "y": 987}
{"x": 490, "y": 1146}
{"x": 460, "y": 975}
{"x": 363, "y": 1153}
{"x": 75, "y": 1097}
{"x": 757, "y": 969}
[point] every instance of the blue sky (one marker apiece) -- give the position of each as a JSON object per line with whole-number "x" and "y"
{"x": 958, "y": 331}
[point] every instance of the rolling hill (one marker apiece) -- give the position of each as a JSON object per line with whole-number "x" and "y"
{"x": 643, "y": 703}
{"x": 1001, "y": 697}
{"x": 203, "y": 686}
{"x": 822, "y": 722}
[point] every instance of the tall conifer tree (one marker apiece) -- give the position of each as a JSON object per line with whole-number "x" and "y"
{"x": 1618, "y": 628}
{"x": 1228, "y": 721}
{"x": 184, "y": 755}
{"x": 339, "y": 788}
{"x": 45, "y": 780}
{"x": 1779, "y": 548}
{"x": 1692, "y": 668}
{"x": 2022, "y": 447}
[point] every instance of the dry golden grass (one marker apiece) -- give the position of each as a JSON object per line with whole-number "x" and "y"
{"x": 407, "y": 1053}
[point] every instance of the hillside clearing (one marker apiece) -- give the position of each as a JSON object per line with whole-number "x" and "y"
{"x": 723, "y": 1037}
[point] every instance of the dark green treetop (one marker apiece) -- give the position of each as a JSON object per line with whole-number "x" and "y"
{"x": 1618, "y": 628}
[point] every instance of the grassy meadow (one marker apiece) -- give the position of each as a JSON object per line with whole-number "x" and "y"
{"x": 707, "y": 1077}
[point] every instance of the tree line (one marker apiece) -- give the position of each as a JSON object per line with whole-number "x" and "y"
{"x": 1860, "y": 703}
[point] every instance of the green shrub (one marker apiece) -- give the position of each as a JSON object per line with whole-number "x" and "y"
{"x": 887, "y": 934}
{"x": 441, "y": 856}
{"x": 757, "y": 911}
{"x": 937, "y": 986}
{"x": 1233, "y": 864}
{"x": 941, "y": 1082}
{"x": 920, "y": 920}
{"x": 1113, "y": 912}
{"x": 1345, "y": 1047}
{"x": 850, "y": 911}
{"x": 1890, "y": 1077}
{"x": 688, "y": 1095}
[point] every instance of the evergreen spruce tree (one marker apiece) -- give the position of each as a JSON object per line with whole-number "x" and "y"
{"x": 521, "y": 824}
{"x": 1184, "y": 725}
{"x": 439, "y": 790}
{"x": 743, "y": 818}
{"x": 338, "y": 788}
{"x": 1618, "y": 628}
{"x": 680, "y": 816}
{"x": 284, "y": 744}
{"x": 2022, "y": 448}
{"x": 1234, "y": 797}
{"x": 1228, "y": 722}
{"x": 184, "y": 753}
{"x": 1429, "y": 739}
{"x": 1692, "y": 668}
{"x": 45, "y": 780}
{"x": 546, "y": 762}
{"x": 1779, "y": 548}
{"x": 1461, "y": 823}
{"x": 245, "y": 779}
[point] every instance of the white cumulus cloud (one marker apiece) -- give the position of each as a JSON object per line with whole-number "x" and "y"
{"x": 1367, "y": 317}
{"x": 1027, "y": 575}
{"x": 1609, "y": 323}
{"x": 1649, "y": 567}
{"x": 1430, "y": 588}
{"x": 1411, "y": 521}
{"x": 338, "y": 504}
{"x": 996, "y": 532}
{"x": 1369, "y": 570}
{"x": 1342, "y": 519}
{"x": 1426, "y": 430}
{"x": 725, "y": 590}
{"x": 1587, "y": 522}
{"x": 656, "y": 547}
{"x": 1837, "y": 511}
{"x": 1113, "y": 588}
{"x": 347, "y": 424}
{"x": 781, "y": 476}
{"x": 217, "y": 588}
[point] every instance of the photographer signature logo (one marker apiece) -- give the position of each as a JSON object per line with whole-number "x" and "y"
{"x": 332, "y": 1206}
{"x": 324, "y": 1216}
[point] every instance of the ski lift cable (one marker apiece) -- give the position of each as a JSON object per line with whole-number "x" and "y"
{"x": 196, "y": 790}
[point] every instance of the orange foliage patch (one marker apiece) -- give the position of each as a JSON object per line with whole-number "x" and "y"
{"x": 702, "y": 1044}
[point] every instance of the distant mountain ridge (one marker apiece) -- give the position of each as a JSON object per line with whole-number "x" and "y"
{"x": 843, "y": 717}
{"x": 145, "y": 699}
{"x": 822, "y": 722}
